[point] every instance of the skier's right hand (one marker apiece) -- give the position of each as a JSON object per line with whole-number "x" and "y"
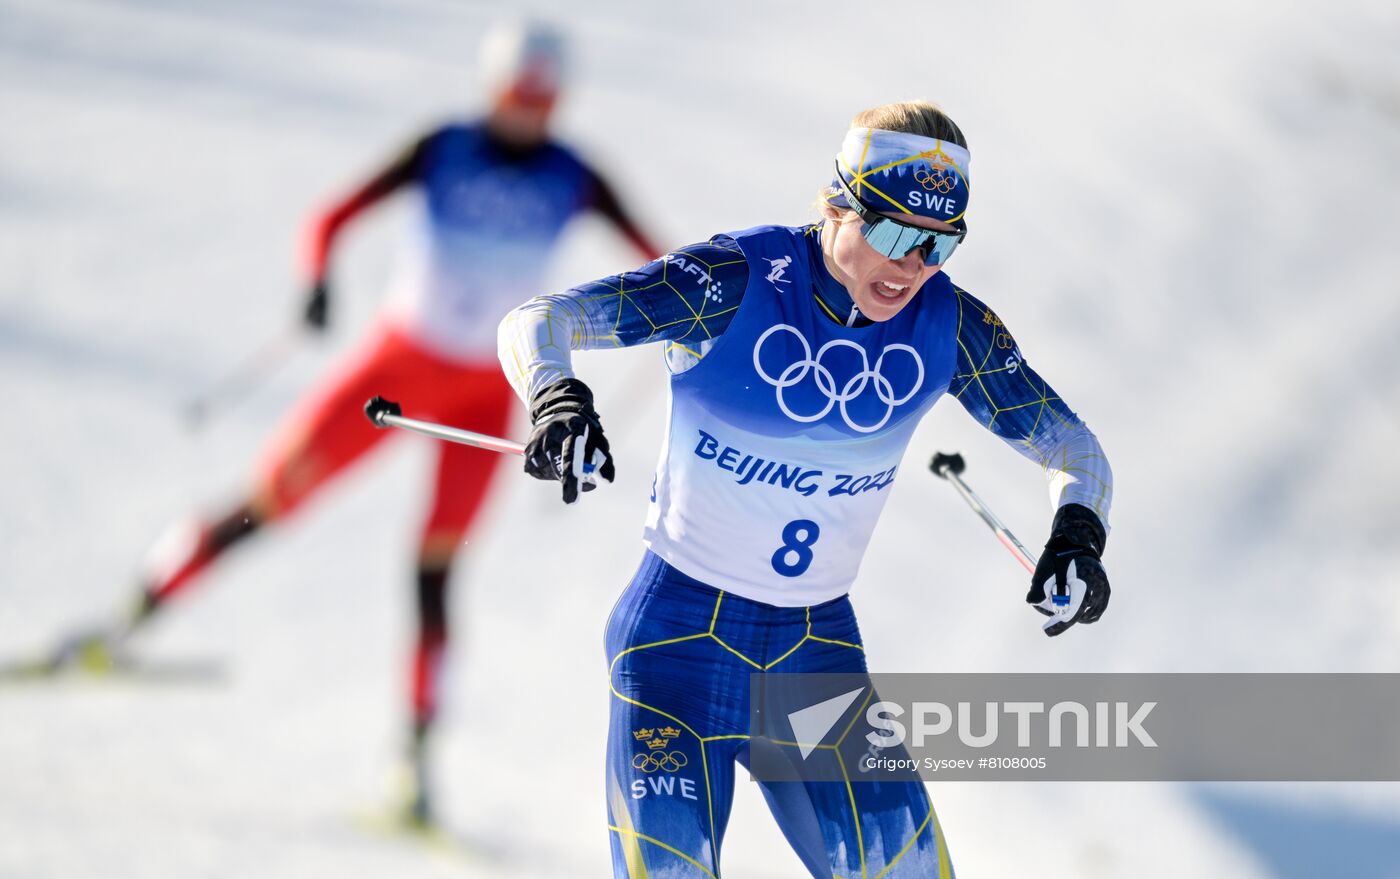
{"x": 567, "y": 442}
{"x": 316, "y": 314}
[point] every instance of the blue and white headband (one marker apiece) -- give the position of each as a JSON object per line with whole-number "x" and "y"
{"x": 897, "y": 172}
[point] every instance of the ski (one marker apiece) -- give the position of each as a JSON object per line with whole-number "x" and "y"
{"x": 50, "y": 668}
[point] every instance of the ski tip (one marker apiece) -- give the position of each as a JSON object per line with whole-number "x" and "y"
{"x": 944, "y": 463}
{"x": 378, "y": 407}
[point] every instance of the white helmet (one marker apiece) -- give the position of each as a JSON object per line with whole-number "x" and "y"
{"x": 525, "y": 57}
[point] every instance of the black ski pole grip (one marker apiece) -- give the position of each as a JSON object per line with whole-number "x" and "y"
{"x": 944, "y": 463}
{"x": 377, "y": 407}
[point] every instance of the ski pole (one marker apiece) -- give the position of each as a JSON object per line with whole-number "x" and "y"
{"x": 949, "y": 467}
{"x": 246, "y": 375}
{"x": 386, "y": 413}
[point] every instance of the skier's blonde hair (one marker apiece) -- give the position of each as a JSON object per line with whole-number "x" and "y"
{"x": 912, "y": 117}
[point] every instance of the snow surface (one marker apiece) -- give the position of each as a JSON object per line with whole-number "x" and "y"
{"x": 1185, "y": 213}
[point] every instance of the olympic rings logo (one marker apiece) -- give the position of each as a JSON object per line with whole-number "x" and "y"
{"x": 944, "y": 180}
{"x": 826, "y": 382}
{"x": 666, "y": 761}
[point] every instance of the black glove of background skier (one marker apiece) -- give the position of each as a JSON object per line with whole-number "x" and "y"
{"x": 1069, "y": 584}
{"x": 567, "y": 441}
{"x": 317, "y": 312}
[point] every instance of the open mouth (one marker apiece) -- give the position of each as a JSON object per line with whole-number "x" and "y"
{"x": 889, "y": 290}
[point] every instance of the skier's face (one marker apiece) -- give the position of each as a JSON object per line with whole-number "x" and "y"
{"x": 521, "y": 116}
{"x": 880, "y": 286}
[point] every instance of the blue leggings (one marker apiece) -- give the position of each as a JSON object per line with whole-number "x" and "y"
{"x": 680, "y": 655}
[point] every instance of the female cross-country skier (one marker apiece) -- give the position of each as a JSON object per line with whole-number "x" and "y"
{"x": 496, "y": 194}
{"x": 801, "y": 359}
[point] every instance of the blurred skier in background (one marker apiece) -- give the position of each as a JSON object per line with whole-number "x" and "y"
{"x": 496, "y": 193}
{"x": 801, "y": 361}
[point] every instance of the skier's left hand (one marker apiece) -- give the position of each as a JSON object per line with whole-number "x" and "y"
{"x": 1069, "y": 584}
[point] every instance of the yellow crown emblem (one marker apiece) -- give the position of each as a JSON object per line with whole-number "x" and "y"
{"x": 668, "y": 732}
{"x": 643, "y": 734}
{"x": 657, "y": 744}
{"x": 937, "y": 159}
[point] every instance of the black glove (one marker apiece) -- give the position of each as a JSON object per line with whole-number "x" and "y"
{"x": 316, "y": 315}
{"x": 1069, "y": 584}
{"x": 567, "y": 441}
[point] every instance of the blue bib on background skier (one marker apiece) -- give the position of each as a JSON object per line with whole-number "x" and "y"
{"x": 782, "y": 443}
{"x": 481, "y": 242}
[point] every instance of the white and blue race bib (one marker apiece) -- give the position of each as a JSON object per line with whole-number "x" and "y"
{"x": 783, "y": 442}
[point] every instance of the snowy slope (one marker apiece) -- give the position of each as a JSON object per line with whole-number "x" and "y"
{"x": 1184, "y": 214}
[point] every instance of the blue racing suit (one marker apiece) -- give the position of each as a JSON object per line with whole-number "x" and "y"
{"x": 680, "y": 656}
{"x": 787, "y": 419}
